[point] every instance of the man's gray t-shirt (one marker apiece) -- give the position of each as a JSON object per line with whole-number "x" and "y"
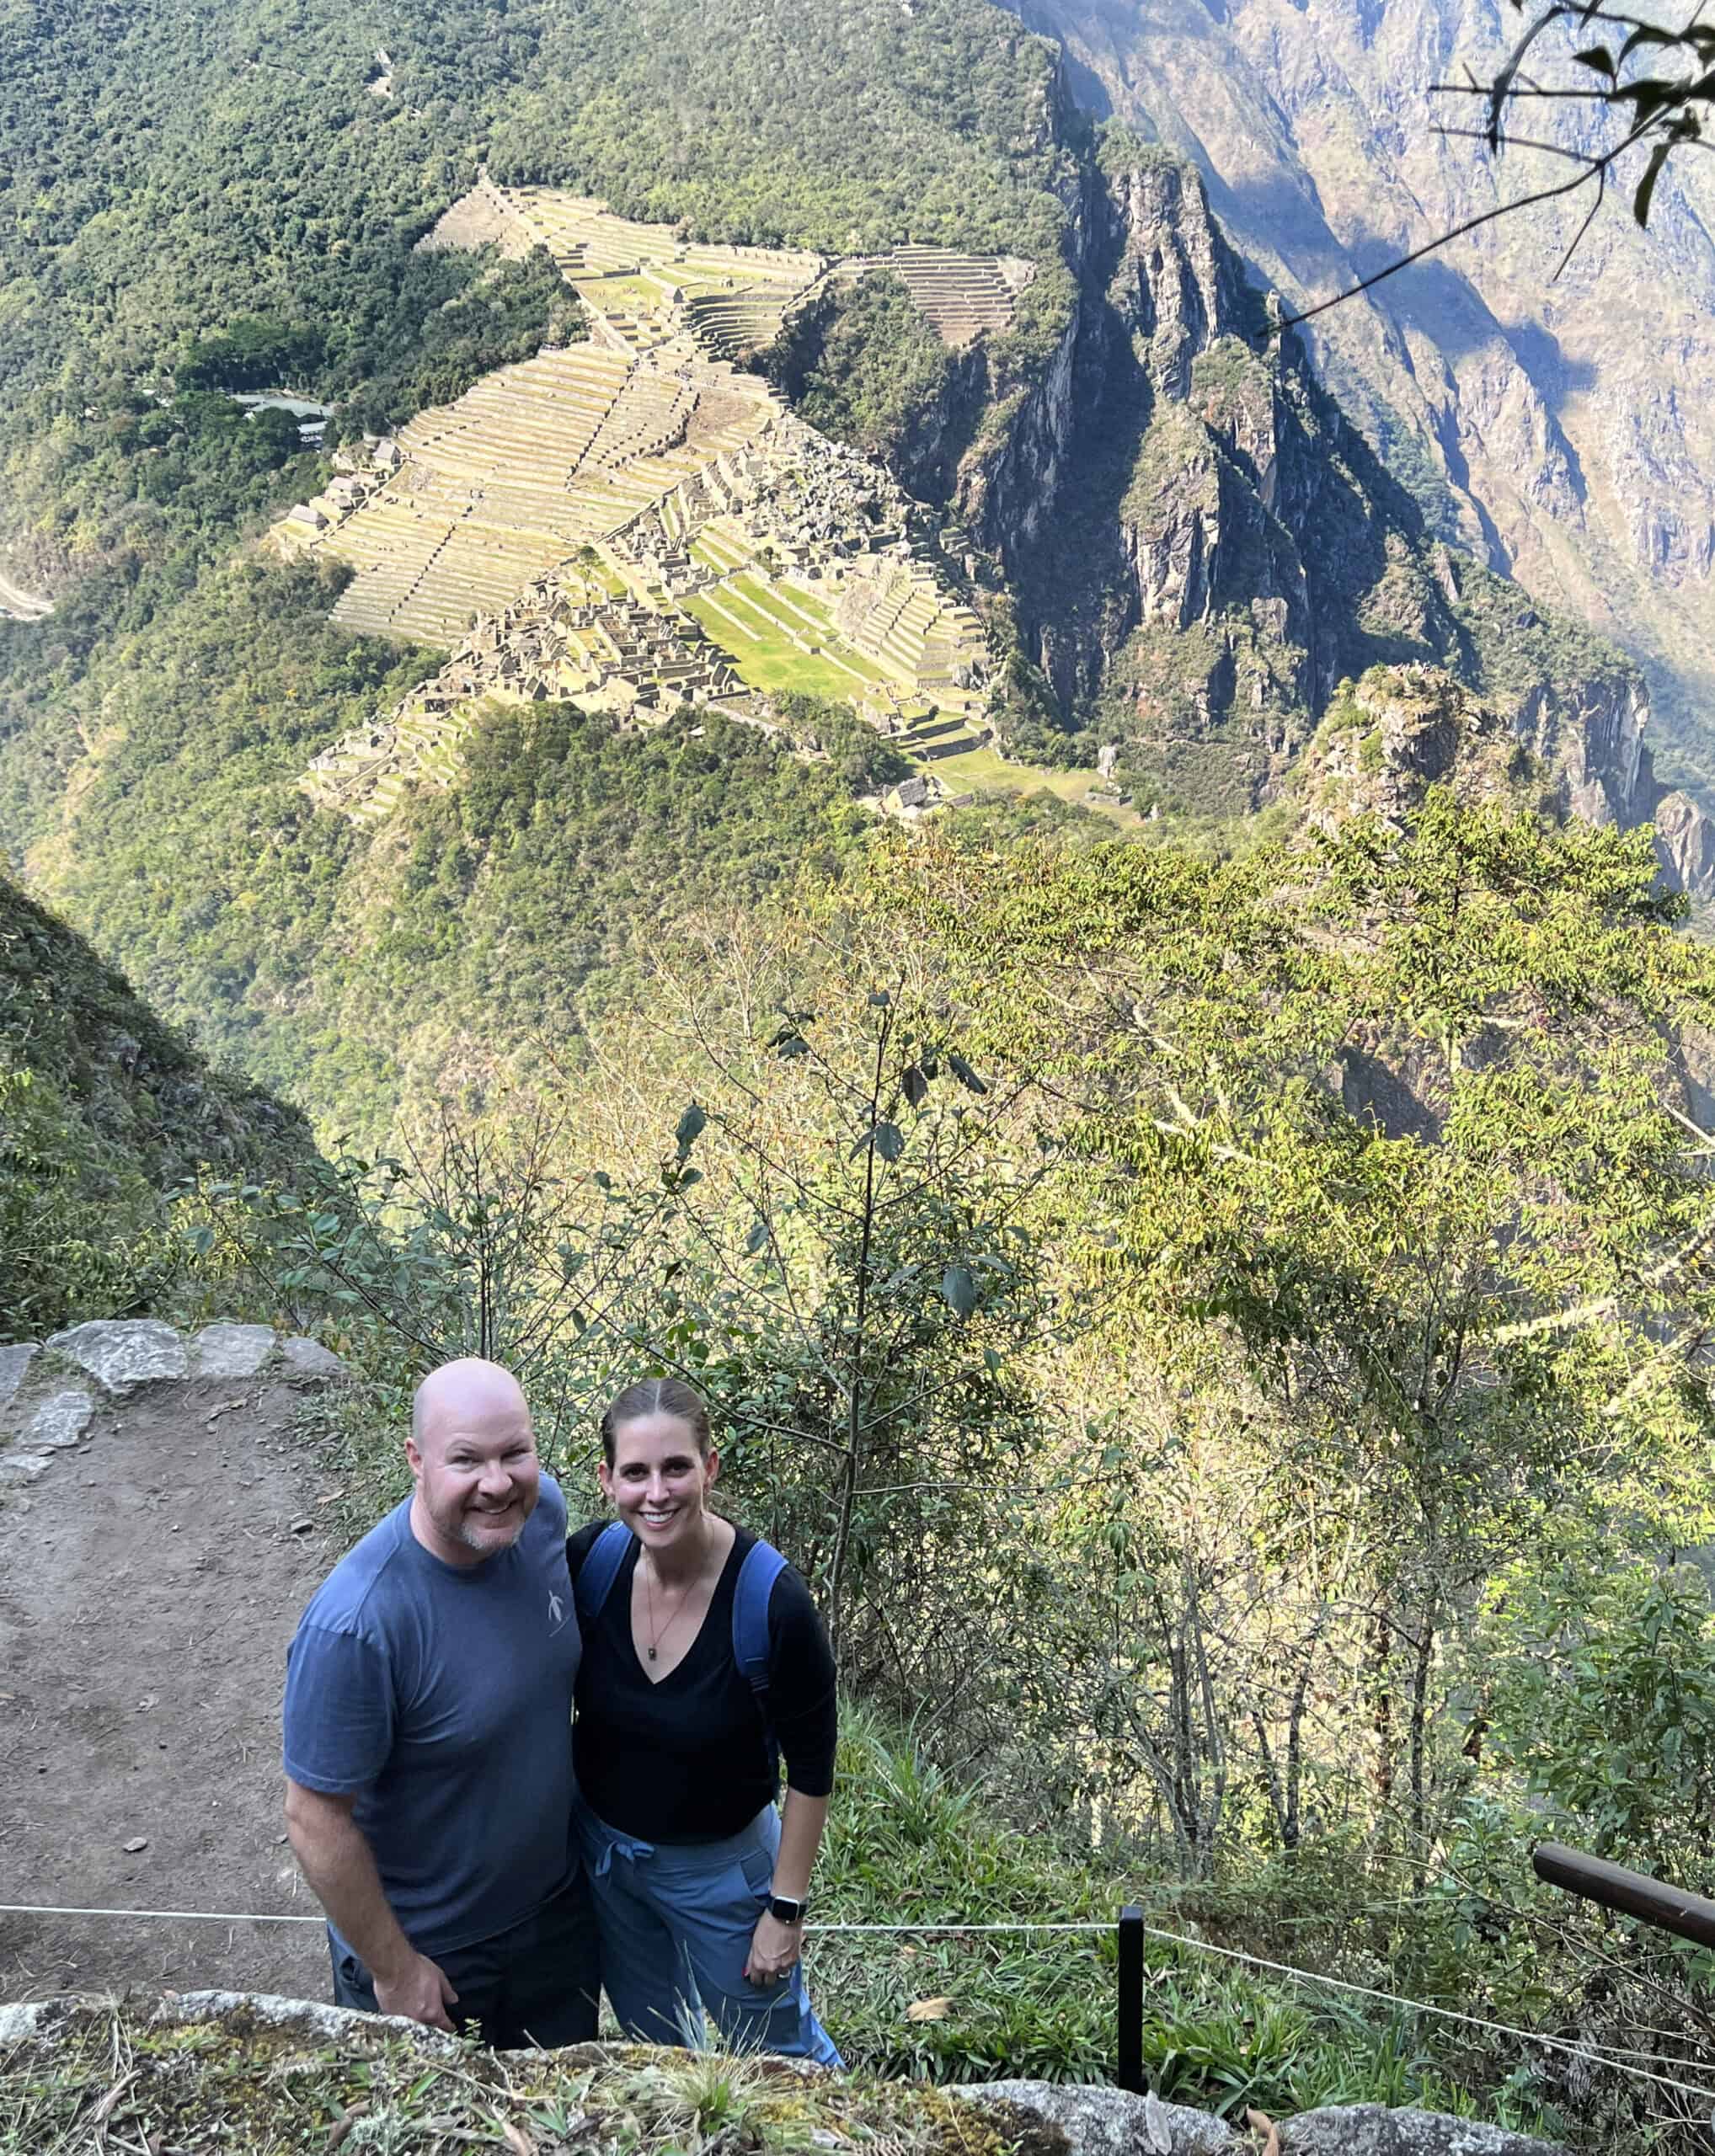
{"x": 441, "y": 1696}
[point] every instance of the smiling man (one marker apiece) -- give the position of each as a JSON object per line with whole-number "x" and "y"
{"x": 428, "y": 1737}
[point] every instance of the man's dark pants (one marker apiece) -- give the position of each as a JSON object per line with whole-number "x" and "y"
{"x": 535, "y": 1983}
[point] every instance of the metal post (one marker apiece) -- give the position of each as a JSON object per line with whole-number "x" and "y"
{"x": 1687, "y": 1915}
{"x": 1129, "y": 2032}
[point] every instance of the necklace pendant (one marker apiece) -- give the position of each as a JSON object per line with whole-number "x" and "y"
{"x": 652, "y": 1654}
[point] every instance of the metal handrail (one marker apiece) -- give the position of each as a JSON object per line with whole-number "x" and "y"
{"x": 1634, "y": 1893}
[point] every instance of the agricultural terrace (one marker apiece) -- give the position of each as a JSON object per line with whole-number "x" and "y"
{"x": 636, "y": 523}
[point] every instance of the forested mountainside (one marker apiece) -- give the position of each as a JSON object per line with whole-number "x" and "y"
{"x": 104, "y": 1112}
{"x": 1179, "y": 547}
{"x": 1198, "y": 1246}
{"x": 1558, "y": 425}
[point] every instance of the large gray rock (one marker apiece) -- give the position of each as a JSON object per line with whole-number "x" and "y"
{"x": 14, "y": 1361}
{"x": 303, "y": 2017}
{"x": 23, "y": 1467}
{"x": 232, "y": 1351}
{"x": 1373, "y": 2130}
{"x": 307, "y": 1358}
{"x": 1110, "y": 2122}
{"x": 121, "y": 1353}
{"x": 60, "y": 1422}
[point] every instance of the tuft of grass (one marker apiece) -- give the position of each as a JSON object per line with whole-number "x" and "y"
{"x": 121, "y": 2075}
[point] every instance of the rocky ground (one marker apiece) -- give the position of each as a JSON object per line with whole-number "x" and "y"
{"x": 159, "y": 1532}
{"x": 269, "y": 2076}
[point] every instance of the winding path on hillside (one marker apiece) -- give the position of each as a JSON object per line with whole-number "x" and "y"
{"x": 20, "y": 604}
{"x": 153, "y": 1560}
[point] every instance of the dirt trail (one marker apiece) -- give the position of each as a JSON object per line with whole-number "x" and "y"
{"x": 21, "y": 605}
{"x": 149, "y": 1581}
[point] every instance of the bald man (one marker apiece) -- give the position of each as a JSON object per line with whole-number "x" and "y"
{"x": 428, "y": 1738}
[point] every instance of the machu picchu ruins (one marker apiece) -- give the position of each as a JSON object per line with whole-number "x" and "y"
{"x": 635, "y": 522}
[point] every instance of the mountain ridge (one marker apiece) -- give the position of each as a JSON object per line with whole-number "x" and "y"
{"x": 1557, "y": 427}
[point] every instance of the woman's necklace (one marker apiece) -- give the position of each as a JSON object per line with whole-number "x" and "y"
{"x": 655, "y": 1637}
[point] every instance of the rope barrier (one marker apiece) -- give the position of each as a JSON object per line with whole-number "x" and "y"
{"x": 1595, "y": 2054}
{"x": 159, "y": 1916}
{"x": 1598, "y": 2054}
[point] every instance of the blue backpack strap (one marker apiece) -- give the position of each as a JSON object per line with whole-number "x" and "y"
{"x": 763, "y": 1565}
{"x": 600, "y": 1570}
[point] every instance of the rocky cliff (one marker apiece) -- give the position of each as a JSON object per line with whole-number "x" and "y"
{"x": 1560, "y": 426}
{"x": 1202, "y": 548}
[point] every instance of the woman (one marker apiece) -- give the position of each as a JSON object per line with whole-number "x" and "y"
{"x": 702, "y": 1650}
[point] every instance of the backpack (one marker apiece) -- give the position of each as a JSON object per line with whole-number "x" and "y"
{"x": 763, "y": 1565}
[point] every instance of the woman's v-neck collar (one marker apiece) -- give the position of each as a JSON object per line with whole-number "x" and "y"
{"x": 638, "y": 1655}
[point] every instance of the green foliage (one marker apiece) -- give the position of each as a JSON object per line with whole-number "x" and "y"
{"x": 470, "y": 1241}
{"x": 103, "y": 1110}
{"x": 445, "y": 330}
{"x": 1598, "y": 1684}
{"x": 849, "y": 1279}
{"x": 182, "y": 176}
{"x": 250, "y": 354}
{"x": 211, "y": 877}
{"x": 865, "y": 760}
{"x": 864, "y": 364}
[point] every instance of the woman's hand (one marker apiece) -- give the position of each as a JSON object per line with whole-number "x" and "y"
{"x": 775, "y": 1947}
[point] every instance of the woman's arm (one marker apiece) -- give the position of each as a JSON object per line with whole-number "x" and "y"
{"x": 774, "y": 1945}
{"x": 801, "y": 1825}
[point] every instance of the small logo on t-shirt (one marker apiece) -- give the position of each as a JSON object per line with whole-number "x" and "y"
{"x": 556, "y": 1610}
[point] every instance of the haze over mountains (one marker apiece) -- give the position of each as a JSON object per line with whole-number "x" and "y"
{"x": 1564, "y": 428}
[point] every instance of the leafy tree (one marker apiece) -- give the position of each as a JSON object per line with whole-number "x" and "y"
{"x": 852, "y": 1276}
{"x": 1385, "y": 1151}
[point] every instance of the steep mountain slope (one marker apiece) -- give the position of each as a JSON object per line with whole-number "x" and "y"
{"x": 1179, "y": 547}
{"x": 1202, "y": 548}
{"x": 1564, "y": 424}
{"x": 102, "y": 1109}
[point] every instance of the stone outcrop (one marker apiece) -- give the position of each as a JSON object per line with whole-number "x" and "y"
{"x": 1389, "y": 737}
{"x": 1109, "y": 2122}
{"x": 275, "y": 2049}
{"x": 1684, "y": 839}
{"x": 42, "y": 1415}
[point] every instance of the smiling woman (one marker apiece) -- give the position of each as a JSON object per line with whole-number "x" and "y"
{"x": 704, "y": 1661}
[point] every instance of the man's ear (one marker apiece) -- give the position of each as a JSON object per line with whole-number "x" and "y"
{"x": 413, "y": 1460}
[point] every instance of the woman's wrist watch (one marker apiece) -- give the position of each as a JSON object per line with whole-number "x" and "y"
{"x": 785, "y": 1909}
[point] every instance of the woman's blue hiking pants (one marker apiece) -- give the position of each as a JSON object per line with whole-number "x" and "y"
{"x": 675, "y": 1921}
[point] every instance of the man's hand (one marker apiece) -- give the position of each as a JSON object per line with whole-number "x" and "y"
{"x": 420, "y": 1990}
{"x": 774, "y": 1948}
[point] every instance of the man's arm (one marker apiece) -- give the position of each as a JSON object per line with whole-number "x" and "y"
{"x": 339, "y": 1864}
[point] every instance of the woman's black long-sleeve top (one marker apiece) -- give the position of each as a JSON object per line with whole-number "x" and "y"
{"x": 688, "y": 1759}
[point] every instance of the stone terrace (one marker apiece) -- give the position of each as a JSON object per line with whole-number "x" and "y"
{"x": 534, "y": 463}
{"x": 963, "y": 295}
{"x": 632, "y": 524}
